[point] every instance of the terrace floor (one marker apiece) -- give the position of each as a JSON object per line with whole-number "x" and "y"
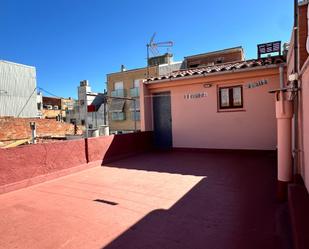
{"x": 153, "y": 200}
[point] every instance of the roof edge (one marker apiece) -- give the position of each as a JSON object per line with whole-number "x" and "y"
{"x": 271, "y": 66}
{"x": 239, "y": 48}
{"x": 17, "y": 64}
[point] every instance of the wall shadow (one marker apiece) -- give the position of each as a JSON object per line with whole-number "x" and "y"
{"x": 208, "y": 217}
{"x": 126, "y": 145}
{"x": 234, "y": 207}
{"x": 198, "y": 163}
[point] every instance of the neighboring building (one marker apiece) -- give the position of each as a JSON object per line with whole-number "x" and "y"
{"x": 55, "y": 108}
{"x": 88, "y": 109}
{"x": 123, "y": 117}
{"x": 17, "y": 131}
{"x": 166, "y": 58}
{"x": 216, "y": 57}
{"x": 18, "y": 95}
{"x": 221, "y": 106}
{"x": 51, "y": 107}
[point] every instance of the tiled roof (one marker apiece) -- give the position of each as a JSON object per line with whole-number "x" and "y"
{"x": 231, "y": 66}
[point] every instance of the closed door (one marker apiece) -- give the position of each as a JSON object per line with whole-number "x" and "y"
{"x": 162, "y": 120}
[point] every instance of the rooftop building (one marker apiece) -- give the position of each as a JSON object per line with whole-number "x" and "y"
{"x": 18, "y": 95}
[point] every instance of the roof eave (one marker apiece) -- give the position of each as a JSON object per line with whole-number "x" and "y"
{"x": 214, "y": 74}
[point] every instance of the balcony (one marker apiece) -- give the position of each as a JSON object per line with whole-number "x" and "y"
{"x": 134, "y": 92}
{"x": 118, "y": 93}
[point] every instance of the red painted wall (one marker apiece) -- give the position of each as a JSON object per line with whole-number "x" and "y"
{"x": 33, "y": 160}
{"x": 115, "y": 147}
{"x": 26, "y": 165}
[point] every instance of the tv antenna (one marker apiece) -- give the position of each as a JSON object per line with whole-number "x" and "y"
{"x": 152, "y": 47}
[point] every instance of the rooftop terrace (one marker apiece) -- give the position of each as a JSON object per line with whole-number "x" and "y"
{"x": 153, "y": 200}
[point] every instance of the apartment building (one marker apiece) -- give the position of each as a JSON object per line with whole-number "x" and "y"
{"x": 123, "y": 115}
{"x": 123, "y": 92}
{"x": 89, "y": 109}
{"x": 55, "y": 108}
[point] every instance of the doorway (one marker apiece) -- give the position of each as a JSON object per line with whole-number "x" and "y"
{"x": 162, "y": 120}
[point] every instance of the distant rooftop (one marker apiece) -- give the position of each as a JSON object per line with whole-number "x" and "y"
{"x": 222, "y": 51}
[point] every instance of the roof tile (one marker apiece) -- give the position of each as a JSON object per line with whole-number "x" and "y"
{"x": 222, "y": 67}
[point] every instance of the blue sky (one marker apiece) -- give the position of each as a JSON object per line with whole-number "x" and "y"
{"x": 71, "y": 40}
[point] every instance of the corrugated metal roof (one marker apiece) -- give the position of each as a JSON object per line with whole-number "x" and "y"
{"x": 17, "y": 90}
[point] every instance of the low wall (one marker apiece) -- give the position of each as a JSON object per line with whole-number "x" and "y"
{"x": 115, "y": 147}
{"x": 26, "y": 165}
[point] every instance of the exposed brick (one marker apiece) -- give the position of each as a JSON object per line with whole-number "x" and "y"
{"x": 19, "y": 128}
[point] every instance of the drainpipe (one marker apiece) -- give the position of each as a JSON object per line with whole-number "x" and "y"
{"x": 295, "y": 90}
{"x": 284, "y": 114}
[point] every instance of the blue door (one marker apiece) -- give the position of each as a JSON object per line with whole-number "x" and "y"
{"x": 162, "y": 120}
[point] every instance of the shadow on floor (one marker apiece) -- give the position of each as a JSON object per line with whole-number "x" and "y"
{"x": 233, "y": 208}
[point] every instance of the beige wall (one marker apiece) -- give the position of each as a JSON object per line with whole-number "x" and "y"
{"x": 197, "y": 123}
{"x": 304, "y": 125}
{"x": 127, "y": 77}
{"x": 303, "y": 102}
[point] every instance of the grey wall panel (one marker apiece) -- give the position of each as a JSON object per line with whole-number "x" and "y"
{"x": 17, "y": 86}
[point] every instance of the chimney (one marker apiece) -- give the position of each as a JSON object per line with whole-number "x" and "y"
{"x": 122, "y": 68}
{"x": 84, "y": 83}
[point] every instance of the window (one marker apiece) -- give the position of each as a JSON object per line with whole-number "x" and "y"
{"x": 230, "y": 97}
{"x": 136, "y": 116}
{"x": 83, "y": 122}
{"x": 136, "y": 83}
{"x": 118, "y": 90}
{"x": 220, "y": 60}
{"x": 118, "y": 85}
{"x": 134, "y": 92}
{"x": 117, "y": 116}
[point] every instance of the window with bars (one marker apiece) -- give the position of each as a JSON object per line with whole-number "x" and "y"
{"x": 230, "y": 97}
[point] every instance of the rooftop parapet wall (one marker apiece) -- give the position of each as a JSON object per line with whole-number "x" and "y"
{"x": 27, "y": 165}
{"x": 302, "y": 39}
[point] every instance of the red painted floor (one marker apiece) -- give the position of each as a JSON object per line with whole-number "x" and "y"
{"x": 156, "y": 200}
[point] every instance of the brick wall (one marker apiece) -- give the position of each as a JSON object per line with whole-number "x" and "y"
{"x": 19, "y": 128}
{"x": 303, "y": 32}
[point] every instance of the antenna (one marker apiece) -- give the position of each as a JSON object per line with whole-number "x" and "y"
{"x": 153, "y": 48}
